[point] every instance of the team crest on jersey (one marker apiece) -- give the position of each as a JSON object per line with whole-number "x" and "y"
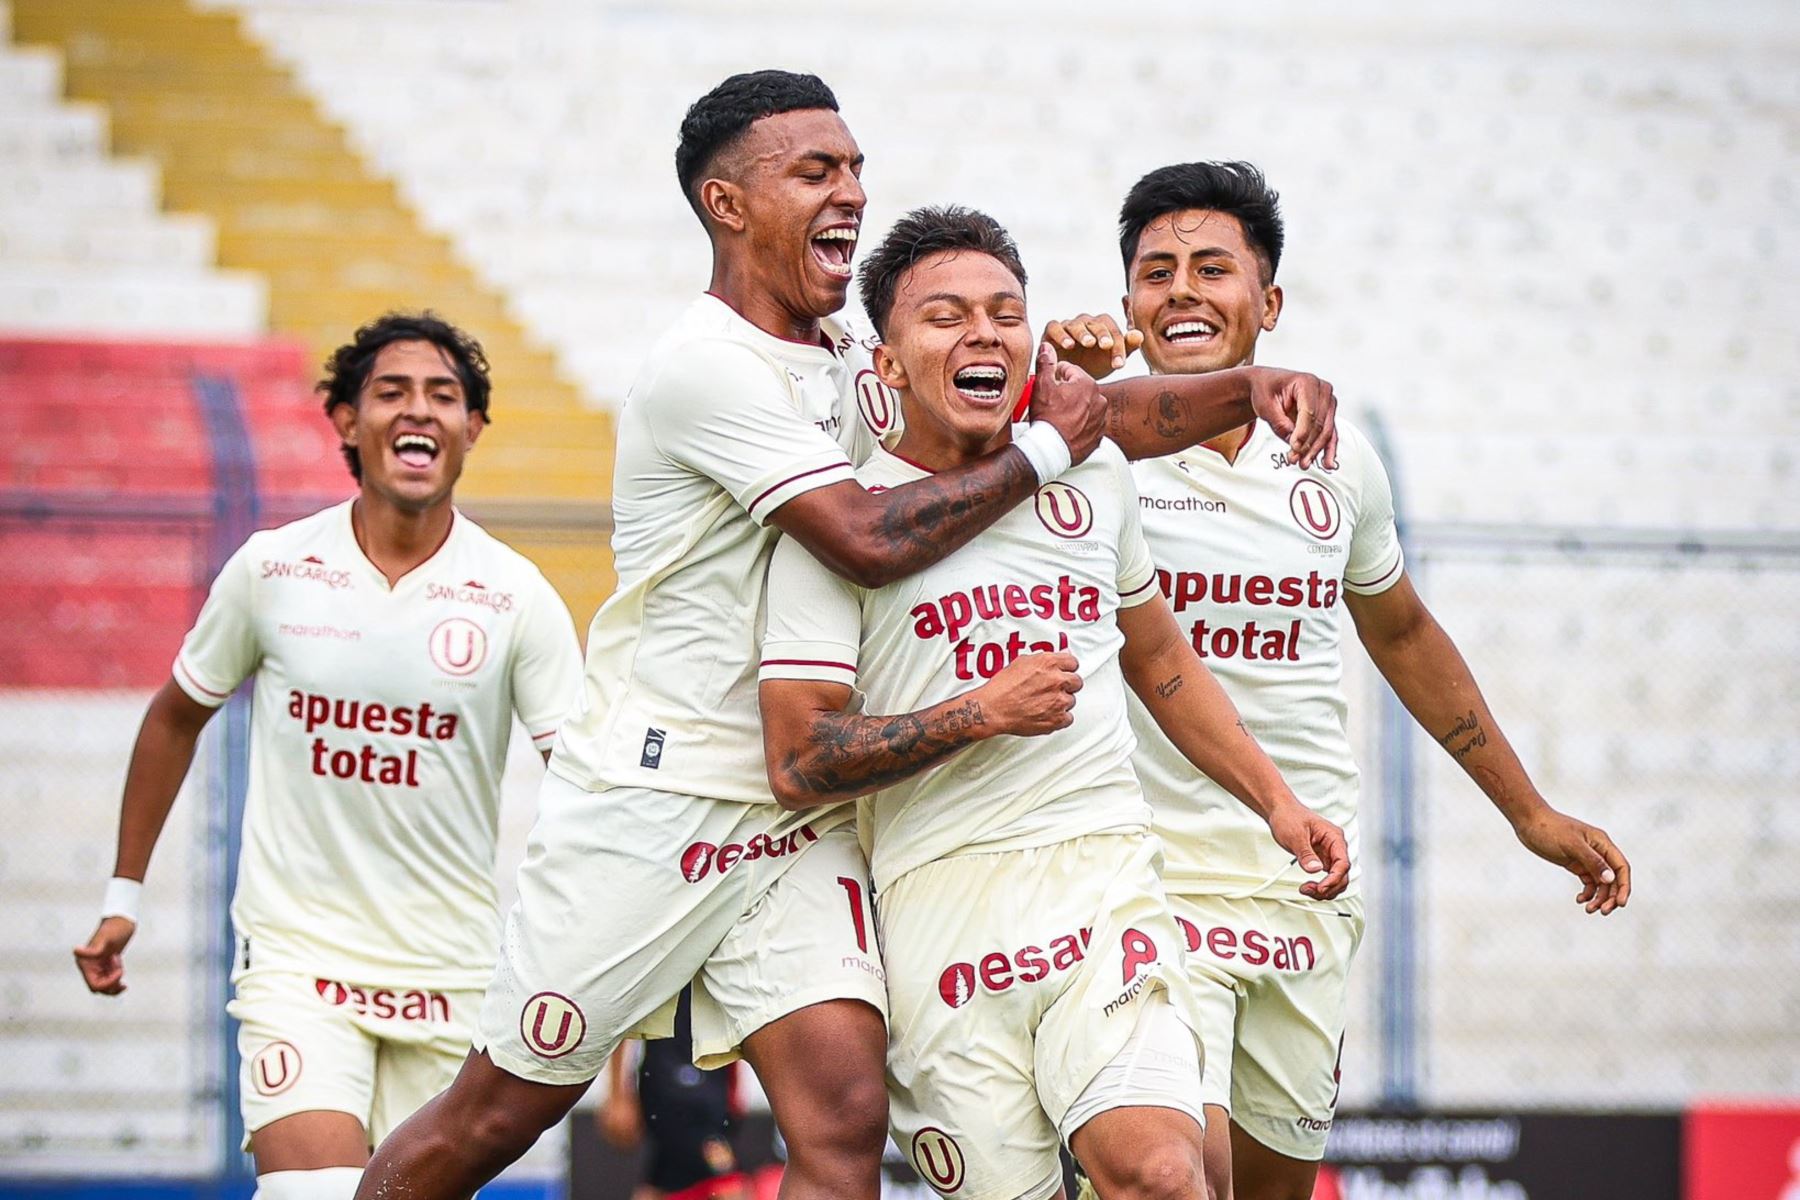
{"x": 880, "y": 404}
{"x": 1315, "y": 509}
{"x": 1065, "y": 510}
{"x": 275, "y": 1068}
{"x": 458, "y": 646}
{"x": 551, "y": 1024}
{"x": 938, "y": 1159}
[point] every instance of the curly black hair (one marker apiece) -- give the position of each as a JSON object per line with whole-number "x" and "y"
{"x": 1236, "y": 189}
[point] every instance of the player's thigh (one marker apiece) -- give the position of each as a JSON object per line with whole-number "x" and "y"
{"x": 621, "y": 899}
{"x": 977, "y": 947}
{"x": 807, "y": 938}
{"x": 301, "y": 1055}
{"x": 420, "y": 1059}
{"x": 1286, "y": 1072}
{"x": 1132, "y": 961}
{"x": 1137, "y": 1126}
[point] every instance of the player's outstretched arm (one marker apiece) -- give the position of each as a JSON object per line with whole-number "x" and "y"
{"x": 1428, "y": 673}
{"x": 1160, "y": 414}
{"x": 1194, "y": 711}
{"x": 874, "y": 538}
{"x": 819, "y": 753}
{"x": 159, "y": 762}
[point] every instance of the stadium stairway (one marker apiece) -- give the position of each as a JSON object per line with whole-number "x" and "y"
{"x": 239, "y": 141}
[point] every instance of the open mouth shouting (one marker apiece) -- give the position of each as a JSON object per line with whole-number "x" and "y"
{"x": 1189, "y": 331}
{"x": 832, "y": 247}
{"x": 982, "y": 384}
{"x": 416, "y": 450}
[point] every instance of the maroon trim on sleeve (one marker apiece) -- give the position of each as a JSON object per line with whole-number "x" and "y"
{"x": 1381, "y": 579}
{"x": 767, "y": 492}
{"x": 807, "y": 662}
{"x": 189, "y": 673}
{"x": 1150, "y": 582}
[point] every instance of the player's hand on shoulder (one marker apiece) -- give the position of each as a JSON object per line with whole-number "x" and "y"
{"x": 1317, "y": 844}
{"x": 1585, "y": 851}
{"x": 1032, "y": 695}
{"x": 102, "y": 960}
{"x": 1302, "y": 409}
{"x": 1096, "y": 344}
{"x": 1068, "y": 398}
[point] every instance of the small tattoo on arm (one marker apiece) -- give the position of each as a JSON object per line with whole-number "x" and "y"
{"x": 1464, "y": 737}
{"x": 1169, "y": 687}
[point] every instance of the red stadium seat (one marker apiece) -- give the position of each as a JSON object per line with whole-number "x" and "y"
{"x": 110, "y": 494}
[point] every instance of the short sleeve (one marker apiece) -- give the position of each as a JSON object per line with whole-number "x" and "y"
{"x": 546, "y": 668}
{"x": 1376, "y": 560}
{"x": 221, "y": 650}
{"x": 1137, "y": 570}
{"x": 815, "y": 620}
{"x": 723, "y": 410}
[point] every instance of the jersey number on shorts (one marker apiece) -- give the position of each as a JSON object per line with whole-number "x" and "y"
{"x": 853, "y": 889}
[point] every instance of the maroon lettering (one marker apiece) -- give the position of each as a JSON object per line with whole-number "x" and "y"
{"x": 1222, "y": 942}
{"x": 1140, "y": 952}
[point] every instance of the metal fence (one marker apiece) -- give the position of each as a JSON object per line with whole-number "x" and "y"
{"x": 1651, "y": 683}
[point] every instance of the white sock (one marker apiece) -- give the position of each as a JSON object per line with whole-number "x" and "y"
{"x": 326, "y": 1183}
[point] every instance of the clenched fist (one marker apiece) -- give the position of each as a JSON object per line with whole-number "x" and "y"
{"x": 1033, "y": 695}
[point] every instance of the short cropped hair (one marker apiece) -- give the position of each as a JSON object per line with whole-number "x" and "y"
{"x": 716, "y": 121}
{"x": 1234, "y": 188}
{"x": 922, "y": 233}
{"x": 347, "y": 370}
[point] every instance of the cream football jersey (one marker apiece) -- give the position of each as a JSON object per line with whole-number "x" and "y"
{"x": 379, "y": 730}
{"x": 724, "y": 424}
{"x": 1254, "y": 557}
{"x": 1049, "y": 576}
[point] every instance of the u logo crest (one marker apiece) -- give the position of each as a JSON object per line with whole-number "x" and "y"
{"x": 1064, "y": 511}
{"x": 275, "y": 1068}
{"x": 458, "y": 646}
{"x": 1315, "y": 509}
{"x": 938, "y": 1159}
{"x": 552, "y": 1025}
{"x": 879, "y": 403}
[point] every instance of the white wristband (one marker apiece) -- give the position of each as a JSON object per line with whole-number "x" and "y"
{"x": 1044, "y": 449}
{"x": 121, "y": 898}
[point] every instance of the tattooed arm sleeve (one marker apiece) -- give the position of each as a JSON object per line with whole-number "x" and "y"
{"x": 818, "y": 753}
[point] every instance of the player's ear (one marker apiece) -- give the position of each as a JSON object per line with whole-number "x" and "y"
{"x": 888, "y": 368}
{"x": 343, "y": 419}
{"x": 477, "y": 422}
{"x": 723, "y": 203}
{"x": 1125, "y": 307}
{"x": 1271, "y": 307}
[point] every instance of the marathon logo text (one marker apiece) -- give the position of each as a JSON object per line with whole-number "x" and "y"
{"x": 1064, "y": 601}
{"x": 702, "y": 858}
{"x": 363, "y": 762}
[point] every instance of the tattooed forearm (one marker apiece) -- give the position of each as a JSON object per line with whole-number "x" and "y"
{"x": 922, "y": 522}
{"x": 1150, "y": 417}
{"x": 1464, "y": 737}
{"x": 850, "y": 755}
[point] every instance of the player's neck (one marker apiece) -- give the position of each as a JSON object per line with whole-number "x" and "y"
{"x": 928, "y": 445}
{"x": 396, "y": 540}
{"x": 751, "y": 300}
